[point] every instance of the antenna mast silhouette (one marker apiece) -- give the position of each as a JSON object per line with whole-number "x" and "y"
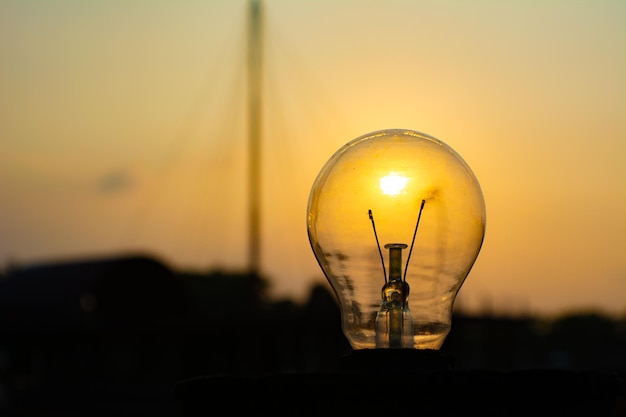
{"x": 255, "y": 86}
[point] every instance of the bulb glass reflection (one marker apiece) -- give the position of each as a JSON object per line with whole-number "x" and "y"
{"x": 396, "y": 219}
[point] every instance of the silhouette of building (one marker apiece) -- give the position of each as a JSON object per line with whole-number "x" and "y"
{"x": 119, "y": 336}
{"x": 80, "y": 337}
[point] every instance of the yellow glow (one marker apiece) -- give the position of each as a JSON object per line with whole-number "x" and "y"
{"x": 393, "y": 184}
{"x": 185, "y": 150}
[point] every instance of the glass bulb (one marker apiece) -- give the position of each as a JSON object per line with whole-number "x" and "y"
{"x": 396, "y": 219}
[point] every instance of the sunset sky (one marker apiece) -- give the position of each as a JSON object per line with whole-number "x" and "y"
{"x": 123, "y": 128}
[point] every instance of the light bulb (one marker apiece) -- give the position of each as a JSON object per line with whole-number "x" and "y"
{"x": 396, "y": 219}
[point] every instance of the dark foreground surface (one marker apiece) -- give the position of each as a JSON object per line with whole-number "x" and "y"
{"x": 405, "y": 383}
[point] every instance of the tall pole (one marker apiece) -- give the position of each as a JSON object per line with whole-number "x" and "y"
{"x": 255, "y": 86}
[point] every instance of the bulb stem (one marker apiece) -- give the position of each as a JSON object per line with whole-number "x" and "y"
{"x": 395, "y": 260}
{"x": 394, "y": 326}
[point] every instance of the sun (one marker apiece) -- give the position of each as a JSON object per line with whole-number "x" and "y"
{"x": 393, "y": 184}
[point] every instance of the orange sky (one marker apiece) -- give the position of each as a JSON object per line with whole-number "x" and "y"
{"x": 123, "y": 127}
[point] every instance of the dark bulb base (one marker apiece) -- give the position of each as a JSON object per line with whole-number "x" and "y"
{"x": 396, "y": 360}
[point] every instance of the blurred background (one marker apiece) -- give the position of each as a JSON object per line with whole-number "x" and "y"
{"x": 124, "y": 133}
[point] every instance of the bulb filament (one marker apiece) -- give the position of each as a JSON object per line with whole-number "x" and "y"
{"x": 382, "y": 259}
{"x": 380, "y": 252}
{"x": 419, "y": 216}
